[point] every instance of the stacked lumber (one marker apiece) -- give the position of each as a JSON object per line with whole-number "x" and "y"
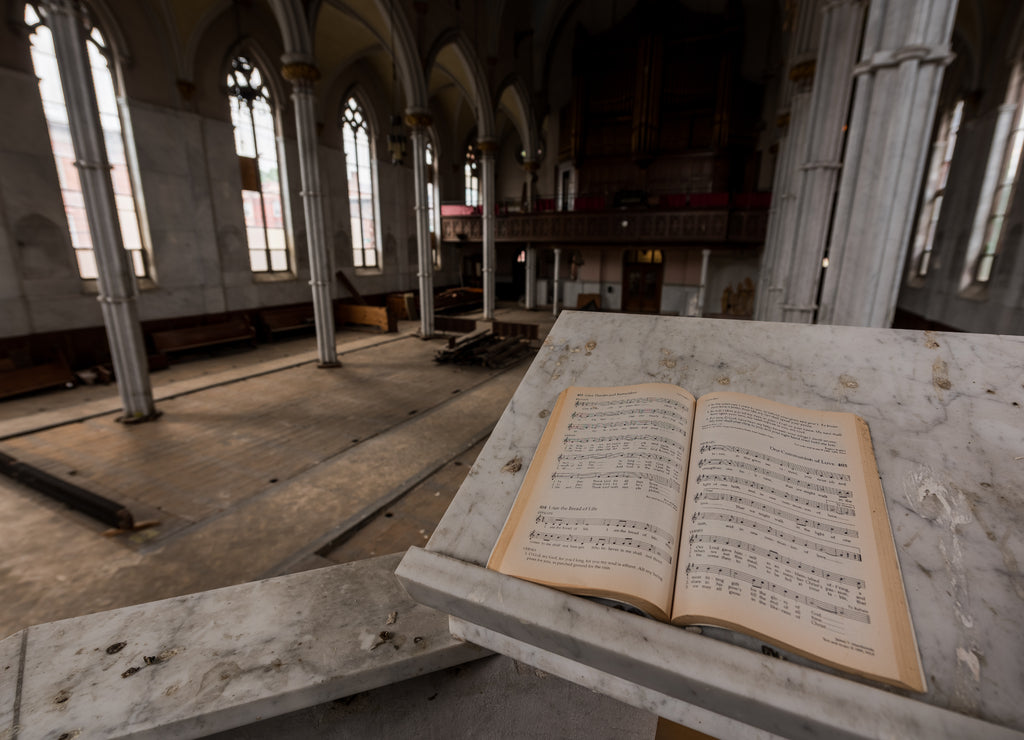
{"x": 485, "y": 349}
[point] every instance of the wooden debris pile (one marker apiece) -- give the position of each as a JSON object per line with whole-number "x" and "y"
{"x": 484, "y": 348}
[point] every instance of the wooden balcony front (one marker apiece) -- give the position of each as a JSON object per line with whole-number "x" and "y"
{"x": 737, "y": 224}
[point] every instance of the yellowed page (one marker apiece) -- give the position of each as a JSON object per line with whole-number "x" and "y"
{"x": 599, "y": 510}
{"x": 785, "y": 537}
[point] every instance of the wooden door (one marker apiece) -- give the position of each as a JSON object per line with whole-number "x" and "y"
{"x": 641, "y": 282}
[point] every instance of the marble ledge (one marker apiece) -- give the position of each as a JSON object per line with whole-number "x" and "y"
{"x": 722, "y": 689}
{"x": 194, "y": 665}
{"x": 945, "y": 412}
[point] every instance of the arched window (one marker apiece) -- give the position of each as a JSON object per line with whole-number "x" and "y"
{"x": 935, "y": 188}
{"x": 256, "y": 145}
{"x": 355, "y": 137}
{"x": 432, "y": 200}
{"x": 47, "y": 64}
{"x": 472, "y": 177}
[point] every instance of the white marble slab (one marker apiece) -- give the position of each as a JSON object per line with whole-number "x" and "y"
{"x": 198, "y": 664}
{"x": 946, "y": 413}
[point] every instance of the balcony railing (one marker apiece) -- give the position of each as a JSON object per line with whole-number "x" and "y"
{"x": 692, "y": 218}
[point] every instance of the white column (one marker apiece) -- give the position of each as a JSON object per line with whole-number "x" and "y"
{"x": 841, "y": 26}
{"x": 302, "y": 75}
{"x": 905, "y": 50}
{"x": 794, "y": 96}
{"x": 488, "y": 148}
{"x": 705, "y": 258}
{"x": 118, "y": 291}
{"x": 556, "y": 282}
{"x": 418, "y": 122}
{"x": 531, "y": 278}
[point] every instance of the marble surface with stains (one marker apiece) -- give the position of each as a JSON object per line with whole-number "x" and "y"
{"x": 198, "y": 664}
{"x": 946, "y": 414}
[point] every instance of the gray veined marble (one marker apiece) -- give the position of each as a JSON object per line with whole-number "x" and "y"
{"x": 946, "y": 413}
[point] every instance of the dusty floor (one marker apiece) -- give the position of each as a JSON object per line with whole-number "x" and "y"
{"x": 261, "y": 464}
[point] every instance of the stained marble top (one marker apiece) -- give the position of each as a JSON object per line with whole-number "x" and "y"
{"x": 946, "y": 414}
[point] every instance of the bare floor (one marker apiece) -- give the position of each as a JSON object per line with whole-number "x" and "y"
{"x": 261, "y": 464}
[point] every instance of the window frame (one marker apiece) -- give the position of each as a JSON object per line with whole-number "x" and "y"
{"x": 137, "y": 242}
{"x": 933, "y": 196}
{"x": 262, "y": 268}
{"x": 352, "y": 121}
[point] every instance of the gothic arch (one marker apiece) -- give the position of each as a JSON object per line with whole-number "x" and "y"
{"x": 521, "y": 113}
{"x": 474, "y": 72}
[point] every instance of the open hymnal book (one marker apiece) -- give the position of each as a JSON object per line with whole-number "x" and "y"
{"x": 732, "y": 511}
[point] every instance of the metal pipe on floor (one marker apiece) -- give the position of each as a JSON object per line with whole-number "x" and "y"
{"x": 103, "y": 509}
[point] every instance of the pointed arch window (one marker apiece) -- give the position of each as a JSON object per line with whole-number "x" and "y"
{"x": 935, "y": 189}
{"x": 472, "y": 176}
{"x": 252, "y": 117}
{"x": 113, "y": 122}
{"x": 355, "y": 137}
{"x": 432, "y": 200}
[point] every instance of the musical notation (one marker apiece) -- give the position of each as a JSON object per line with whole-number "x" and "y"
{"x": 663, "y": 480}
{"x": 594, "y": 521}
{"x": 803, "y": 521}
{"x": 772, "y": 459}
{"x": 632, "y": 413}
{"x": 630, "y": 422}
{"x": 747, "y": 483}
{"x": 588, "y": 439}
{"x": 577, "y": 456}
{"x": 768, "y": 473}
{"x": 640, "y": 545}
{"x": 852, "y": 553}
{"x": 783, "y": 559}
{"x": 856, "y": 615}
{"x": 606, "y": 401}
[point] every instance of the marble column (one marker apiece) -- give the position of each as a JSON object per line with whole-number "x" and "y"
{"x": 488, "y": 149}
{"x": 556, "y": 283}
{"x": 118, "y": 291}
{"x": 530, "y": 168}
{"x": 531, "y": 278}
{"x": 904, "y": 53}
{"x": 793, "y": 119}
{"x": 841, "y": 24}
{"x": 302, "y": 74}
{"x": 418, "y": 121}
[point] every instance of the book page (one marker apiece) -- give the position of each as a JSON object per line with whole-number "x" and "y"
{"x": 599, "y": 510}
{"x": 785, "y": 537}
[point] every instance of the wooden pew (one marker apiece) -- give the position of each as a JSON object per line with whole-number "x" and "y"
{"x": 235, "y": 329}
{"x": 15, "y": 381}
{"x": 286, "y": 318}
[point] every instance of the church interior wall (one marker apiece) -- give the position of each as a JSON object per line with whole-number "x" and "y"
{"x": 981, "y": 78}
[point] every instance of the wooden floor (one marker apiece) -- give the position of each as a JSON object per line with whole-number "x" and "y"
{"x": 262, "y": 475}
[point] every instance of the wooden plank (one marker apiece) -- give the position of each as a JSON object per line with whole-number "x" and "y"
{"x": 375, "y": 316}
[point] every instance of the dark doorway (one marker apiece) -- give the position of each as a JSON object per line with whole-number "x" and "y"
{"x": 642, "y": 273}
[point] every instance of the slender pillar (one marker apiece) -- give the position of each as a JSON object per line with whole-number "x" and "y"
{"x": 905, "y": 50}
{"x": 531, "y": 277}
{"x": 841, "y": 25}
{"x": 556, "y": 283}
{"x": 118, "y": 292}
{"x": 488, "y": 148}
{"x": 794, "y": 96}
{"x": 705, "y": 258}
{"x": 302, "y": 74}
{"x": 530, "y": 168}
{"x": 418, "y": 121}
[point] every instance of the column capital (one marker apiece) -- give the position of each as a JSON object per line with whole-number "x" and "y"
{"x": 802, "y": 72}
{"x": 418, "y": 119}
{"x": 487, "y": 147}
{"x": 300, "y": 72}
